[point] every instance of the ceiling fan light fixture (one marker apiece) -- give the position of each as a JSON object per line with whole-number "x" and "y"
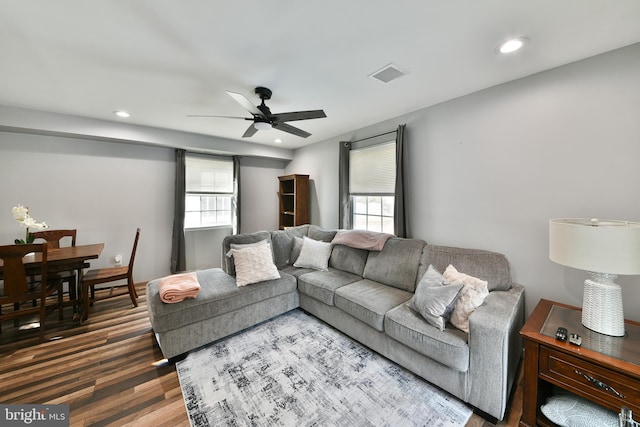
{"x": 262, "y": 125}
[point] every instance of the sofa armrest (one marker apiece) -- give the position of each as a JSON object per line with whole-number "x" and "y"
{"x": 495, "y": 348}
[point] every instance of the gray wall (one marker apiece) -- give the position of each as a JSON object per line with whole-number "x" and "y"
{"x": 488, "y": 170}
{"x": 105, "y": 189}
{"x": 259, "y": 196}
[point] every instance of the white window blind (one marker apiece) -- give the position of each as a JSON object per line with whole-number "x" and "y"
{"x": 209, "y": 175}
{"x": 209, "y": 192}
{"x": 372, "y": 170}
{"x": 372, "y": 178}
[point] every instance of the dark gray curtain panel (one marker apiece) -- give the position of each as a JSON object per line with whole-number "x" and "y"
{"x": 178, "y": 258}
{"x": 236, "y": 194}
{"x": 344, "y": 206}
{"x": 399, "y": 211}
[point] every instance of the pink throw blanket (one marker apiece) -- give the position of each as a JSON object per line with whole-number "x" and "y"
{"x": 361, "y": 239}
{"x": 177, "y": 287}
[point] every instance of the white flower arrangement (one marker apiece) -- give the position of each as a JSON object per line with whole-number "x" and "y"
{"x": 21, "y": 214}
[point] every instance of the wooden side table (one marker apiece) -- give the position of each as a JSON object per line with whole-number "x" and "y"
{"x": 604, "y": 370}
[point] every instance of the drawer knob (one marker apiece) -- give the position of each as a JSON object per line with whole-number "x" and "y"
{"x": 599, "y": 384}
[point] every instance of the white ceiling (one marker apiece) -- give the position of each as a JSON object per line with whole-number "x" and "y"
{"x": 165, "y": 59}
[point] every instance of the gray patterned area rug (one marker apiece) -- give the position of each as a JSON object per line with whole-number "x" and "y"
{"x": 295, "y": 370}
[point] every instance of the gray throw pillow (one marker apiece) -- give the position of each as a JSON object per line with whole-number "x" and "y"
{"x": 296, "y": 247}
{"x": 574, "y": 411}
{"x": 433, "y": 299}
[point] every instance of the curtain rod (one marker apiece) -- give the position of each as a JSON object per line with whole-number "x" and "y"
{"x": 375, "y": 136}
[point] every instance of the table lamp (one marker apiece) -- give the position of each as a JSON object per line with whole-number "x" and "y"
{"x": 605, "y": 249}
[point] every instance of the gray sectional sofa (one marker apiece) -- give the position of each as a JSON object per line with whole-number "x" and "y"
{"x": 366, "y": 295}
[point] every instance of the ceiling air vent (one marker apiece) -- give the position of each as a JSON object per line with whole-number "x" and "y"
{"x": 387, "y": 73}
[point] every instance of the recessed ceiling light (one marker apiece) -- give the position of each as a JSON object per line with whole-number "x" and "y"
{"x": 277, "y": 141}
{"x": 512, "y": 45}
{"x": 122, "y": 113}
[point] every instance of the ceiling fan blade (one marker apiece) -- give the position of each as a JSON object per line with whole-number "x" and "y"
{"x": 300, "y": 115}
{"x": 246, "y": 104}
{"x": 251, "y": 130}
{"x": 204, "y": 116}
{"x": 290, "y": 129}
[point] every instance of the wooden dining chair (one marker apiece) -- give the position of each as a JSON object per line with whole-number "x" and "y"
{"x": 106, "y": 275}
{"x": 17, "y": 289}
{"x": 53, "y": 239}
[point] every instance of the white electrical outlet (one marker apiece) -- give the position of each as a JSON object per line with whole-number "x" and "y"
{"x": 117, "y": 259}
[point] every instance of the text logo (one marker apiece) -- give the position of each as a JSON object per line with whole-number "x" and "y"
{"x": 34, "y": 415}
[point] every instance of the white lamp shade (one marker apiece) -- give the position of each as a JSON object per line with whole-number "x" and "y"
{"x": 603, "y": 246}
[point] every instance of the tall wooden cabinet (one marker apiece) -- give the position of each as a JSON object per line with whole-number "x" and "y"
{"x": 293, "y": 193}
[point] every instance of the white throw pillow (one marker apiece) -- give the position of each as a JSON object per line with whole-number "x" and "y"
{"x": 246, "y": 245}
{"x": 314, "y": 254}
{"x": 433, "y": 299}
{"x": 254, "y": 264}
{"x": 471, "y": 297}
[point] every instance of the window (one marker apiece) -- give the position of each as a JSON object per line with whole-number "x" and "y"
{"x": 209, "y": 192}
{"x": 372, "y": 176}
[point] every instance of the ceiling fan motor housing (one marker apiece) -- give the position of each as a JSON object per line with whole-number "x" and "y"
{"x": 263, "y": 92}
{"x": 265, "y": 110}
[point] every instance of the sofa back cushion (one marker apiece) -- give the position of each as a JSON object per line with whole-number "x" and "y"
{"x": 348, "y": 259}
{"x": 486, "y": 265}
{"x": 282, "y": 241}
{"x": 396, "y": 264}
{"x": 240, "y": 239}
{"x": 317, "y": 233}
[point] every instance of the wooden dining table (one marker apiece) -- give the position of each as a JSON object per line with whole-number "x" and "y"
{"x": 67, "y": 258}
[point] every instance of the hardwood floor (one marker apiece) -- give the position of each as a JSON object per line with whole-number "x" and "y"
{"x": 106, "y": 369}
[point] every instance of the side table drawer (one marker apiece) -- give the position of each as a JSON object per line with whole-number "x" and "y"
{"x": 603, "y": 386}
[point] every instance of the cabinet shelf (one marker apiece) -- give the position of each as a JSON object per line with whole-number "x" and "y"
{"x": 293, "y": 195}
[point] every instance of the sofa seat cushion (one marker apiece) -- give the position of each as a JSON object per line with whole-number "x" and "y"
{"x": 449, "y": 347}
{"x": 369, "y": 301}
{"x": 218, "y": 295}
{"x": 322, "y": 285}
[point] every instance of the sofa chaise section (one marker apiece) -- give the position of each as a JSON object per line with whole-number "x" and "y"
{"x": 221, "y": 309}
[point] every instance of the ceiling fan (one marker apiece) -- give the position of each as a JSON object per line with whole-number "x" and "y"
{"x": 264, "y": 119}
